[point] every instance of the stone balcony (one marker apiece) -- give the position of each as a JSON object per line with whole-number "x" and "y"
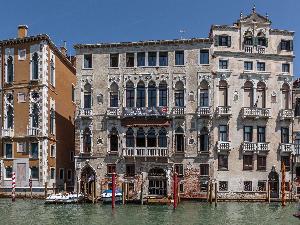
{"x": 178, "y": 110}
{"x": 146, "y": 152}
{"x": 263, "y": 147}
{"x": 286, "y": 148}
{"x": 249, "y": 147}
{"x": 223, "y": 111}
{"x": 255, "y": 49}
{"x": 33, "y": 131}
{"x": 286, "y": 114}
{"x": 7, "y": 132}
{"x": 145, "y": 111}
{"x": 204, "y": 111}
{"x": 85, "y": 112}
{"x": 257, "y": 113}
{"x": 113, "y": 112}
{"x": 223, "y": 146}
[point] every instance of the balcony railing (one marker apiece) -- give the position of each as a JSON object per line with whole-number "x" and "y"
{"x": 253, "y": 112}
{"x": 286, "y": 148}
{"x": 223, "y": 111}
{"x": 204, "y": 111}
{"x": 9, "y": 132}
{"x": 86, "y": 112}
{"x": 223, "y": 146}
{"x": 255, "y": 49}
{"x": 177, "y": 110}
{"x": 113, "y": 112}
{"x": 249, "y": 146}
{"x": 263, "y": 147}
{"x": 145, "y": 152}
{"x": 145, "y": 111}
{"x": 286, "y": 114}
{"x": 33, "y": 131}
{"x": 297, "y": 149}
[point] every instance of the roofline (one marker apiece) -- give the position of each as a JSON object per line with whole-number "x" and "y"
{"x": 143, "y": 43}
{"x": 39, "y": 37}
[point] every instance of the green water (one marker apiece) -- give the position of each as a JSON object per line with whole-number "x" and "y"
{"x": 35, "y": 212}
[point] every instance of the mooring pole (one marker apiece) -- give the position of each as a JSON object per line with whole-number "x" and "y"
{"x": 13, "y": 190}
{"x": 283, "y": 200}
{"x": 77, "y": 188}
{"x": 210, "y": 192}
{"x": 269, "y": 193}
{"x": 113, "y": 190}
{"x": 46, "y": 191}
{"x": 175, "y": 190}
{"x": 123, "y": 193}
{"x": 216, "y": 193}
{"x": 93, "y": 194}
{"x": 142, "y": 189}
{"x": 30, "y": 186}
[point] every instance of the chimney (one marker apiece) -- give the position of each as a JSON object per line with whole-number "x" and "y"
{"x": 63, "y": 49}
{"x": 22, "y": 31}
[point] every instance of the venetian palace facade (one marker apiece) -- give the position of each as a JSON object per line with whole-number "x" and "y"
{"x": 215, "y": 109}
{"x": 37, "y": 114}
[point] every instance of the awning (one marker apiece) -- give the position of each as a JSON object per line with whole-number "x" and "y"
{"x": 145, "y": 122}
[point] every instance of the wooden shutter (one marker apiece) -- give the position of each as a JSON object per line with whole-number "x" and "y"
{"x": 255, "y": 41}
{"x": 228, "y": 41}
{"x": 267, "y": 42}
{"x": 291, "y": 45}
{"x": 216, "y": 40}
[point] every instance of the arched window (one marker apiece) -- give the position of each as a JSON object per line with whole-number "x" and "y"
{"x": 162, "y": 138}
{"x": 87, "y": 140}
{"x": 10, "y": 70}
{"x": 261, "y": 39}
{"x": 179, "y": 94}
{"x": 285, "y": 96}
{"x": 261, "y": 95}
{"x": 204, "y": 140}
{"x": 52, "y": 121}
{"x": 129, "y": 94}
{"x": 52, "y": 75}
{"x": 179, "y": 139}
{"x": 204, "y": 101}
{"x": 163, "y": 94}
{"x": 140, "y": 98}
{"x": 248, "y": 94}
{"x": 140, "y": 138}
{"x": 114, "y": 90}
{"x": 35, "y": 66}
{"x": 35, "y": 116}
{"x": 223, "y": 93}
{"x": 114, "y": 143}
{"x": 87, "y": 96}
{"x": 151, "y": 94}
{"x": 151, "y": 138}
{"x": 10, "y": 117}
{"x": 248, "y": 38}
{"x": 130, "y": 138}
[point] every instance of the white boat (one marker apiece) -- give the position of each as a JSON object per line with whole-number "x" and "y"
{"x": 64, "y": 198}
{"x": 106, "y": 196}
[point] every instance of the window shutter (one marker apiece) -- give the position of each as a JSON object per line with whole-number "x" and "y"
{"x": 216, "y": 40}
{"x": 255, "y": 41}
{"x": 229, "y": 41}
{"x": 281, "y": 45}
{"x": 267, "y": 42}
{"x": 291, "y": 45}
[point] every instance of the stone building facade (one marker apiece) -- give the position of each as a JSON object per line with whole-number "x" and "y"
{"x": 216, "y": 109}
{"x": 37, "y": 114}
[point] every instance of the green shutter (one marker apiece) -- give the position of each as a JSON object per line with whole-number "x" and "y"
{"x": 291, "y": 45}
{"x": 216, "y": 40}
{"x": 255, "y": 41}
{"x": 229, "y": 41}
{"x": 267, "y": 42}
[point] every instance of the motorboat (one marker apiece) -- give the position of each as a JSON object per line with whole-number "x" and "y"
{"x": 106, "y": 196}
{"x": 64, "y": 198}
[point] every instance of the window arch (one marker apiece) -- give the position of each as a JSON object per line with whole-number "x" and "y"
{"x": 35, "y": 66}
{"x": 163, "y": 93}
{"x": 114, "y": 95}
{"x": 223, "y": 93}
{"x": 179, "y": 94}
{"x": 204, "y": 140}
{"x": 10, "y": 70}
{"x": 162, "y": 138}
{"x": 152, "y": 94}
{"x": 140, "y": 98}
{"x": 261, "y": 95}
{"x": 52, "y": 74}
{"x": 204, "y": 100}
{"x": 130, "y": 138}
{"x": 261, "y": 39}
{"x": 129, "y": 94}
{"x": 52, "y": 121}
{"x": 248, "y": 94}
{"x": 285, "y": 96}
{"x": 179, "y": 139}
{"x": 114, "y": 140}
{"x": 140, "y": 138}
{"x": 248, "y": 38}
{"x": 151, "y": 138}
{"x": 87, "y": 92}
{"x": 87, "y": 140}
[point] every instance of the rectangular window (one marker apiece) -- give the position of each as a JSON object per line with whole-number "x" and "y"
{"x": 21, "y": 97}
{"x": 204, "y": 56}
{"x": 261, "y": 134}
{"x": 179, "y": 98}
{"x": 285, "y": 135}
{"x": 163, "y": 94}
{"x": 8, "y": 172}
{"x": 247, "y": 162}
{"x": 52, "y": 173}
{"x": 261, "y": 66}
{"x": 163, "y": 58}
{"x": 69, "y": 174}
{"x": 204, "y": 169}
{"x": 248, "y": 65}
{"x": 52, "y": 151}
{"x": 287, "y": 163}
{"x": 223, "y": 64}
{"x": 223, "y": 185}
{"x": 151, "y": 58}
{"x": 34, "y": 173}
{"x": 111, "y": 168}
{"x": 262, "y": 185}
{"x": 179, "y": 169}
{"x": 34, "y": 150}
{"x": 286, "y": 45}
{"x": 297, "y": 107}
{"x": 114, "y": 101}
{"x": 72, "y": 156}
{"x": 87, "y": 61}
{"x": 181, "y": 188}
{"x": 261, "y": 162}
{"x": 222, "y": 162}
{"x": 248, "y": 130}
{"x": 8, "y": 151}
{"x": 73, "y": 93}
{"x": 247, "y": 185}
{"x": 224, "y": 40}
{"x": 130, "y": 170}
{"x": 141, "y": 59}
{"x": 21, "y": 147}
{"x": 22, "y": 54}
{"x": 204, "y": 98}
{"x": 129, "y": 59}
{"x": 285, "y": 68}
{"x": 114, "y": 60}
{"x": 179, "y": 58}
{"x": 223, "y": 133}
{"x": 61, "y": 174}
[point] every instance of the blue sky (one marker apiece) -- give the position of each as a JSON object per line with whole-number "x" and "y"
{"x": 91, "y": 21}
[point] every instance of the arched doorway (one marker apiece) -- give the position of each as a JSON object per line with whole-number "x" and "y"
{"x": 88, "y": 181}
{"x": 274, "y": 184}
{"x": 157, "y": 182}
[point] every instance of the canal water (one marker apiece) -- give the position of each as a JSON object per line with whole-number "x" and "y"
{"x": 230, "y": 213}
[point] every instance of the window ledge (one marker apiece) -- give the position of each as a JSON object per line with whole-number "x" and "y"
{"x": 87, "y": 68}
{"x": 179, "y": 65}
{"x": 223, "y": 170}
{"x": 113, "y": 67}
{"x": 203, "y": 64}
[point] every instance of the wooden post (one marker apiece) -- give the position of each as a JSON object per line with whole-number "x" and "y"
{"x": 95, "y": 195}
{"x": 53, "y": 188}
{"x": 142, "y": 189}
{"x": 46, "y": 189}
{"x": 290, "y": 191}
{"x": 65, "y": 187}
{"x": 283, "y": 200}
{"x": 77, "y": 188}
{"x": 216, "y": 193}
{"x": 13, "y": 189}
{"x": 210, "y": 192}
{"x": 113, "y": 191}
{"x": 207, "y": 192}
{"x": 30, "y": 186}
{"x": 92, "y": 191}
{"x": 269, "y": 192}
{"x": 175, "y": 190}
{"x": 123, "y": 193}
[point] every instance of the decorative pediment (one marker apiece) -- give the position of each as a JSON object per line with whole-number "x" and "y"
{"x": 254, "y": 17}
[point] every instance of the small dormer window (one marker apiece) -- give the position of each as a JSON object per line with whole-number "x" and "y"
{"x": 223, "y": 40}
{"x": 286, "y": 45}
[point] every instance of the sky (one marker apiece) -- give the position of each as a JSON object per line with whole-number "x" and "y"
{"x": 94, "y": 21}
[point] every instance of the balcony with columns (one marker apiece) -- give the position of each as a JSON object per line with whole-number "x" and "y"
{"x": 33, "y": 131}
{"x": 263, "y": 147}
{"x": 286, "y": 148}
{"x": 255, "y": 49}
{"x": 257, "y": 113}
{"x": 286, "y": 114}
{"x": 223, "y": 146}
{"x": 85, "y": 112}
{"x": 249, "y": 147}
{"x": 7, "y": 132}
{"x": 161, "y": 111}
{"x": 204, "y": 111}
{"x": 161, "y": 152}
{"x": 223, "y": 111}
{"x": 178, "y": 110}
{"x": 113, "y": 112}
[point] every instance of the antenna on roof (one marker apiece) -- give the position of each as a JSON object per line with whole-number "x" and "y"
{"x": 241, "y": 15}
{"x": 253, "y": 9}
{"x": 267, "y": 15}
{"x": 182, "y": 32}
